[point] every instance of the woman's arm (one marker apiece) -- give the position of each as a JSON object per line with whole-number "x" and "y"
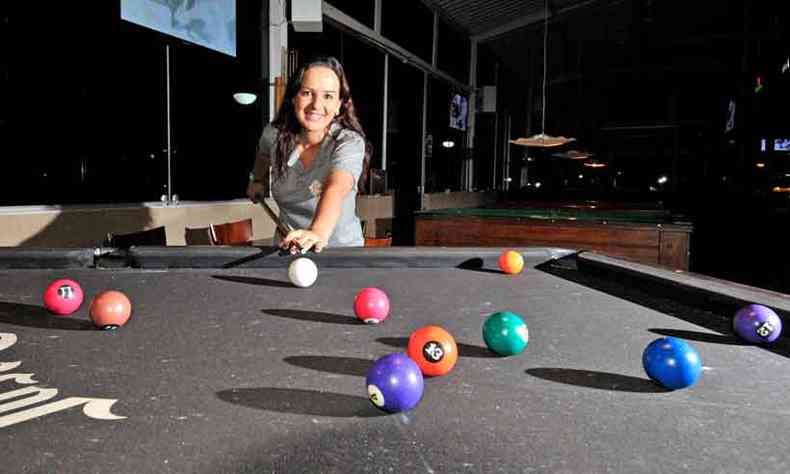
{"x": 337, "y": 186}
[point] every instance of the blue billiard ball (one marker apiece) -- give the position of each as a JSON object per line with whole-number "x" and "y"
{"x": 672, "y": 362}
{"x": 395, "y": 383}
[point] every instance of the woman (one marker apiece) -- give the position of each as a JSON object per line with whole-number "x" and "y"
{"x": 317, "y": 153}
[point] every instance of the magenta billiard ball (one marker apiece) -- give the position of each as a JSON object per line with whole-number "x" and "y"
{"x": 63, "y": 297}
{"x": 371, "y": 305}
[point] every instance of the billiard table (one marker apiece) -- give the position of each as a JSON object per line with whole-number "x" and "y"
{"x": 226, "y": 367}
{"x": 643, "y": 233}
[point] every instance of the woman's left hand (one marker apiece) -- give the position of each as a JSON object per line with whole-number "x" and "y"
{"x": 303, "y": 239}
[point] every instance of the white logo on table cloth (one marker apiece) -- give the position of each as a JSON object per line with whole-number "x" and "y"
{"x": 96, "y": 408}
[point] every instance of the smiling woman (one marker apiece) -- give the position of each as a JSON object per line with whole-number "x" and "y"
{"x": 312, "y": 158}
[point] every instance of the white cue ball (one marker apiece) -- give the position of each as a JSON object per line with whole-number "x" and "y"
{"x": 303, "y": 272}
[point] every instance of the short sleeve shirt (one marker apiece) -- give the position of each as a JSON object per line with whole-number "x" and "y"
{"x": 298, "y": 190}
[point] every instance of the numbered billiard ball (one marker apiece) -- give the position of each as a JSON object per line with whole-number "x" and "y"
{"x": 757, "y": 324}
{"x": 303, "y": 272}
{"x": 672, "y": 362}
{"x": 110, "y": 310}
{"x": 395, "y": 383}
{"x": 511, "y": 262}
{"x": 63, "y": 297}
{"x": 505, "y": 333}
{"x": 433, "y": 349}
{"x": 371, "y": 305}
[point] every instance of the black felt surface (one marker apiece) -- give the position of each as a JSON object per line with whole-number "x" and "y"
{"x": 234, "y": 370}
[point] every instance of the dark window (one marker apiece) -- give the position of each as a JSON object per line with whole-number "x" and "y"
{"x": 409, "y": 23}
{"x": 453, "y": 52}
{"x": 486, "y": 66}
{"x": 361, "y": 10}
{"x": 306, "y": 46}
{"x": 444, "y": 145}
{"x": 87, "y": 106}
{"x": 364, "y": 67}
{"x": 404, "y": 146}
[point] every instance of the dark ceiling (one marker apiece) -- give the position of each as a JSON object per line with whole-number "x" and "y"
{"x": 606, "y": 36}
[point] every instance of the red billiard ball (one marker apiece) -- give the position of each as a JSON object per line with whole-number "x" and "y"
{"x": 433, "y": 349}
{"x": 63, "y": 297}
{"x": 110, "y": 310}
{"x": 372, "y": 305}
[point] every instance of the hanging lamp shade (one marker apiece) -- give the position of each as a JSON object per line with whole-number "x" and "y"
{"x": 573, "y": 155}
{"x": 579, "y": 154}
{"x": 542, "y": 140}
{"x": 595, "y": 164}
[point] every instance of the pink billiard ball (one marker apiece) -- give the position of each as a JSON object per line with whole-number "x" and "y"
{"x": 372, "y": 305}
{"x": 63, "y": 297}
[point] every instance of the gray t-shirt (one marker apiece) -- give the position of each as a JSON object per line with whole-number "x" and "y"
{"x": 298, "y": 190}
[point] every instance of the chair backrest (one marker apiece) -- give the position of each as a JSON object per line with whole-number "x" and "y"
{"x": 156, "y": 236}
{"x": 378, "y": 241}
{"x": 198, "y": 236}
{"x": 231, "y": 233}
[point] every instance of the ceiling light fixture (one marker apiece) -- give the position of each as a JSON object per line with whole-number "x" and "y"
{"x": 542, "y": 140}
{"x": 244, "y": 98}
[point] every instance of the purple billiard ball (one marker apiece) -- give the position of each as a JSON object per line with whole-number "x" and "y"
{"x": 757, "y": 323}
{"x": 395, "y": 383}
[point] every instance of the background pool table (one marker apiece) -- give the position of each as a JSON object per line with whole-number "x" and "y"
{"x": 641, "y": 232}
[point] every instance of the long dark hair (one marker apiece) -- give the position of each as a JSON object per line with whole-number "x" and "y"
{"x": 288, "y": 125}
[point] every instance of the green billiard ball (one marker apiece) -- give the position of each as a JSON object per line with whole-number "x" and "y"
{"x": 505, "y": 333}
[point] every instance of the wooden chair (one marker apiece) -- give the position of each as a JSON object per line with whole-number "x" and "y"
{"x": 378, "y": 241}
{"x": 231, "y": 233}
{"x": 197, "y": 236}
{"x": 156, "y": 236}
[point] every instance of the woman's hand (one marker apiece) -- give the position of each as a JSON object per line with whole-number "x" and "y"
{"x": 303, "y": 239}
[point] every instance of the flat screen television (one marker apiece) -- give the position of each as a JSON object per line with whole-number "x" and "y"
{"x": 459, "y": 111}
{"x": 782, "y": 144}
{"x": 209, "y": 23}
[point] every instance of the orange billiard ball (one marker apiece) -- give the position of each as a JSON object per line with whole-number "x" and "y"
{"x": 110, "y": 310}
{"x": 511, "y": 262}
{"x": 433, "y": 349}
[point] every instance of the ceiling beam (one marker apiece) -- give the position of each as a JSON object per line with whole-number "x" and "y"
{"x": 527, "y": 20}
{"x": 347, "y": 23}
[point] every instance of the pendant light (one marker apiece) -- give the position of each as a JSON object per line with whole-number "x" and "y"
{"x": 542, "y": 140}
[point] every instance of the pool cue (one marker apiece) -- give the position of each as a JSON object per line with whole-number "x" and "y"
{"x": 282, "y": 227}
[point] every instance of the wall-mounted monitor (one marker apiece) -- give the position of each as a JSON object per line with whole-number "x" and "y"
{"x": 782, "y": 144}
{"x": 209, "y": 23}
{"x": 459, "y": 110}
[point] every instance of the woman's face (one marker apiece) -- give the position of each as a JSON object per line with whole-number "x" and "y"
{"x": 318, "y": 100}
